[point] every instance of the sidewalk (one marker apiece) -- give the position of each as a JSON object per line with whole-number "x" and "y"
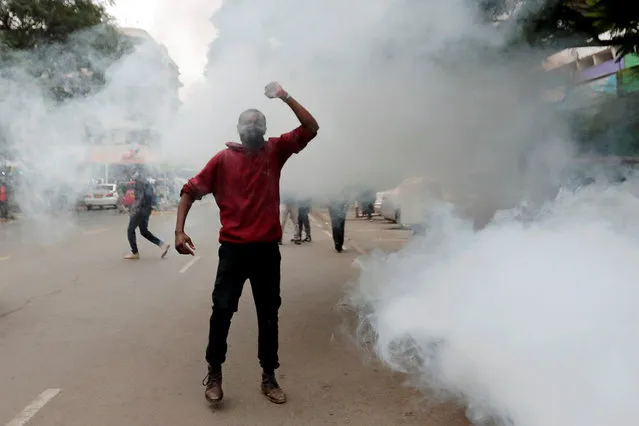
{"x": 363, "y": 235}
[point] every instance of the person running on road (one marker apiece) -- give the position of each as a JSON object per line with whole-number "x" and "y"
{"x": 244, "y": 179}
{"x": 303, "y": 223}
{"x": 289, "y": 209}
{"x": 141, "y": 210}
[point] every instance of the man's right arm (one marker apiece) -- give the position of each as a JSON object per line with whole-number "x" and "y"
{"x": 197, "y": 187}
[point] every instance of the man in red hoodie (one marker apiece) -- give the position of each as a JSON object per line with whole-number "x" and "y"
{"x": 244, "y": 178}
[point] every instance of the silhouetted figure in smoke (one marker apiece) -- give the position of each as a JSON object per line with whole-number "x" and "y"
{"x": 367, "y": 203}
{"x": 289, "y": 209}
{"x": 337, "y": 210}
{"x": 303, "y": 222}
{"x": 140, "y": 215}
{"x": 245, "y": 180}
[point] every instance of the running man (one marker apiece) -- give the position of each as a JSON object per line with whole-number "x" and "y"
{"x": 140, "y": 215}
{"x": 244, "y": 178}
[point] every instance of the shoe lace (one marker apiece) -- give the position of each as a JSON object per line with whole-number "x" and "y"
{"x": 210, "y": 379}
{"x": 207, "y": 381}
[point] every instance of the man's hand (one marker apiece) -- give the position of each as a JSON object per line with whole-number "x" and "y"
{"x": 183, "y": 244}
{"x": 273, "y": 90}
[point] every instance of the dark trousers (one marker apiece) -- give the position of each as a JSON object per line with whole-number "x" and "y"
{"x": 4, "y": 210}
{"x": 260, "y": 264}
{"x": 368, "y": 210}
{"x": 140, "y": 220}
{"x": 303, "y": 221}
{"x": 338, "y": 223}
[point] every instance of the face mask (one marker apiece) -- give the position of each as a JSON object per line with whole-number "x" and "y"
{"x": 252, "y": 138}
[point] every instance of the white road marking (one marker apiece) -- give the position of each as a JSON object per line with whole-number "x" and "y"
{"x": 189, "y": 264}
{"x": 96, "y": 231}
{"x": 33, "y": 408}
{"x": 355, "y": 247}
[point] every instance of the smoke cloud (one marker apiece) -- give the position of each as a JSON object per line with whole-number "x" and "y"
{"x": 51, "y": 141}
{"x": 525, "y": 323}
{"x": 400, "y": 89}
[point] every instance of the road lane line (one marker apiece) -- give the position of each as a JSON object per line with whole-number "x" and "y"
{"x": 96, "y": 231}
{"x": 188, "y": 265}
{"x": 356, "y": 247}
{"x": 4, "y": 258}
{"x": 33, "y": 408}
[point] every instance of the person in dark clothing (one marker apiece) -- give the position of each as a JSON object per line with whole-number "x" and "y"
{"x": 4, "y": 202}
{"x": 244, "y": 179}
{"x": 337, "y": 211}
{"x": 304, "y": 224}
{"x": 140, "y": 215}
{"x": 367, "y": 203}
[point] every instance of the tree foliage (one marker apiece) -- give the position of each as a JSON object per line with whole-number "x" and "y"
{"x": 564, "y": 24}
{"x": 26, "y": 24}
{"x": 66, "y": 44}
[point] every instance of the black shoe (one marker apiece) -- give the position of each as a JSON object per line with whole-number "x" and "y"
{"x": 297, "y": 241}
{"x": 272, "y": 390}
{"x": 213, "y": 384}
{"x": 339, "y": 248}
{"x": 307, "y": 239}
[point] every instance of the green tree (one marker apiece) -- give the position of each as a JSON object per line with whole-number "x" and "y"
{"x": 26, "y": 24}
{"x": 67, "y": 44}
{"x": 562, "y": 24}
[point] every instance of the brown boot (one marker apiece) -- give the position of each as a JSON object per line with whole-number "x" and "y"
{"x": 213, "y": 383}
{"x": 271, "y": 389}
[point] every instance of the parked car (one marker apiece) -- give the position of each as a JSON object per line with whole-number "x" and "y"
{"x": 389, "y": 206}
{"x": 102, "y": 195}
{"x": 378, "y": 202}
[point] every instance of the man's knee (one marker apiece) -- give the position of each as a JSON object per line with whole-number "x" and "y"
{"x": 225, "y": 302}
{"x": 220, "y": 314}
{"x": 269, "y": 308}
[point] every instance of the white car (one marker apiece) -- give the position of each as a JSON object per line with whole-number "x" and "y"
{"x": 378, "y": 202}
{"x": 103, "y": 195}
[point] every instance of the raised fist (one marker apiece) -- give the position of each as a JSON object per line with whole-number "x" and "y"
{"x": 274, "y": 90}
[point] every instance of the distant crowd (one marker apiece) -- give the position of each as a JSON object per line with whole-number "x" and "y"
{"x": 298, "y": 210}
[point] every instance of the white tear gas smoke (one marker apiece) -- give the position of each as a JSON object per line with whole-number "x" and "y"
{"x": 61, "y": 146}
{"x": 400, "y": 89}
{"x": 529, "y": 324}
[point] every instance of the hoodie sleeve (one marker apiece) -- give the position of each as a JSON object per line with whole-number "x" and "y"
{"x": 292, "y": 142}
{"x": 205, "y": 182}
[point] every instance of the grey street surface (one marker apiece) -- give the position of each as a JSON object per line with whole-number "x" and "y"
{"x": 87, "y": 338}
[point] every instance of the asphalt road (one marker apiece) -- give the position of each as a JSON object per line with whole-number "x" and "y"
{"x": 87, "y": 338}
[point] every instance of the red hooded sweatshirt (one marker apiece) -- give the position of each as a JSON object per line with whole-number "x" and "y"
{"x": 246, "y": 186}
